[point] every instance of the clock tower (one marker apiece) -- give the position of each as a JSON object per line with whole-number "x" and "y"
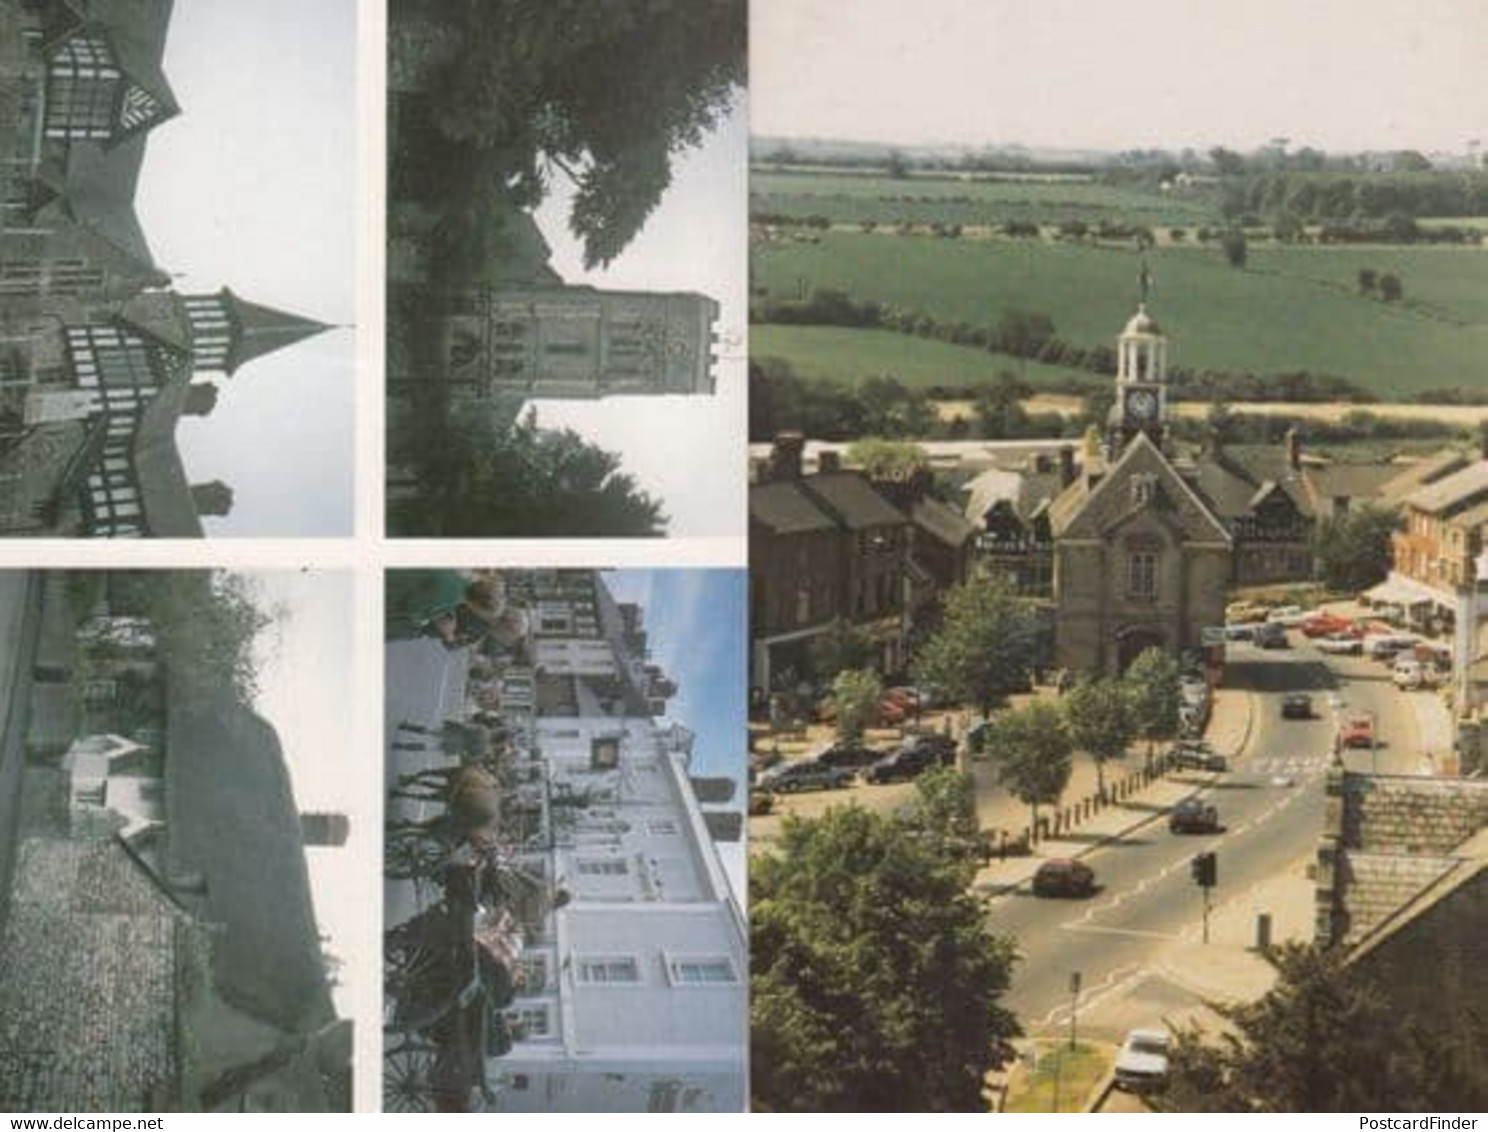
{"x": 1141, "y": 382}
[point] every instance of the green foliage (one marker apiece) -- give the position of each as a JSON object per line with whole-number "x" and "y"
{"x": 1101, "y": 721}
{"x": 945, "y": 807}
{"x": 1353, "y": 549}
{"x": 856, "y": 692}
{"x": 1327, "y": 1038}
{"x": 1390, "y": 287}
{"x": 875, "y": 986}
{"x": 841, "y": 647}
{"x": 888, "y": 459}
{"x": 985, "y": 646}
{"x": 523, "y": 482}
{"x": 606, "y": 93}
{"x": 1154, "y": 691}
{"x": 1032, "y": 751}
{"x": 1234, "y": 246}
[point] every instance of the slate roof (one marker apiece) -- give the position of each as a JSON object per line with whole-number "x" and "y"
{"x": 1421, "y": 472}
{"x": 1452, "y": 490}
{"x": 260, "y": 330}
{"x": 165, "y": 491}
{"x": 850, "y": 499}
{"x": 1231, "y": 478}
{"x": 1349, "y": 481}
{"x": 1094, "y": 503}
{"x": 783, "y": 508}
{"x": 942, "y": 521}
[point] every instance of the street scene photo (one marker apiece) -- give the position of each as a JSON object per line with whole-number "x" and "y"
{"x": 173, "y": 826}
{"x": 1117, "y": 508}
{"x": 563, "y": 855}
{"x": 145, "y": 397}
{"x": 565, "y": 268}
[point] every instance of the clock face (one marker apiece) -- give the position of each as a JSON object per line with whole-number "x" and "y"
{"x": 1143, "y": 404}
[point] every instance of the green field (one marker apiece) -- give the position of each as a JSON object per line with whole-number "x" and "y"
{"x": 854, "y": 198}
{"x": 846, "y": 355}
{"x": 1293, "y": 308}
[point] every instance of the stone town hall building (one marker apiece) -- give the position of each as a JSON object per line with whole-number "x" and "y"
{"x": 99, "y": 358}
{"x": 1142, "y": 558}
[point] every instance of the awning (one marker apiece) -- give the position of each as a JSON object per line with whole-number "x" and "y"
{"x": 1400, "y": 590}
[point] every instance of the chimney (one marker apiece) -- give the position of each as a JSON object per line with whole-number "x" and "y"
{"x": 1066, "y": 466}
{"x": 1293, "y": 449}
{"x": 201, "y": 399}
{"x": 214, "y": 498}
{"x": 785, "y": 456}
{"x": 828, "y": 460}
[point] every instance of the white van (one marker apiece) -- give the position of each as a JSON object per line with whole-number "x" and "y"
{"x": 1408, "y": 673}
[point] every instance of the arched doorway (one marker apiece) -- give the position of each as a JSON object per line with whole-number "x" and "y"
{"x": 1132, "y": 641}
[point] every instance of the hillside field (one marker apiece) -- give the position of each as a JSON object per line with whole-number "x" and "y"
{"x": 1291, "y": 308}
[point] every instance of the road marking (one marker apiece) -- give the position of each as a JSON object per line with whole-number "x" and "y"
{"x": 1136, "y": 932}
{"x": 1113, "y": 984}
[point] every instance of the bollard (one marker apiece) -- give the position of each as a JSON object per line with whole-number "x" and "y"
{"x": 1263, "y": 932}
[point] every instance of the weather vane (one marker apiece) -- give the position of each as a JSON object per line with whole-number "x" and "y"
{"x": 1144, "y": 281}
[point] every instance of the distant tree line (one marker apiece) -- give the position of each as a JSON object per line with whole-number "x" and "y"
{"x": 1357, "y": 198}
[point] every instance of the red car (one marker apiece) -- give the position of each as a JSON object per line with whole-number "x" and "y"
{"x": 1325, "y": 625}
{"x": 1356, "y": 731}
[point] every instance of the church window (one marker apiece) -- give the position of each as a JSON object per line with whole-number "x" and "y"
{"x": 1141, "y": 575}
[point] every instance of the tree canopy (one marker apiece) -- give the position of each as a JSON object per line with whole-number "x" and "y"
{"x": 1326, "y": 1038}
{"x": 525, "y": 482}
{"x": 856, "y": 692}
{"x": 1031, "y": 748}
{"x": 986, "y": 643}
{"x": 875, "y": 985}
{"x": 888, "y": 459}
{"x": 1353, "y": 549}
{"x": 1101, "y": 721}
{"x": 606, "y": 93}
{"x": 1155, "y": 690}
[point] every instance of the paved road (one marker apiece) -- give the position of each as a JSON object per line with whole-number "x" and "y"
{"x": 1271, "y": 804}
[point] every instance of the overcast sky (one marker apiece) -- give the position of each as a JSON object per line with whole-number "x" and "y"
{"x": 1335, "y": 74}
{"x": 252, "y": 187}
{"x": 688, "y": 451}
{"x": 305, "y": 678}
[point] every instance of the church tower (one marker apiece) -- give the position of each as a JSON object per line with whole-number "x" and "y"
{"x": 1141, "y": 382}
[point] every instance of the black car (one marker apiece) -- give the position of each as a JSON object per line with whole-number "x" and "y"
{"x": 1193, "y": 816}
{"x": 900, "y": 765}
{"x": 848, "y": 753}
{"x": 940, "y": 748}
{"x": 1296, "y": 705}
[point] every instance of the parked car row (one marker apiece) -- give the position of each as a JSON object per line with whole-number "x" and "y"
{"x": 833, "y": 767}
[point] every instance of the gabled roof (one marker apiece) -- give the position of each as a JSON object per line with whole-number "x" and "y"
{"x": 781, "y": 507}
{"x": 136, "y": 31}
{"x": 1089, "y": 512}
{"x": 165, "y": 491}
{"x": 1230, "y": 479}
{"x": 942, "y": 522}
{"x": 1420, "y": 473}
{"x": 1350, "y": 481}
{"x": 95, "y": 190}
{"x": 1453, "y": 490}
{"x": 851, "y": 500}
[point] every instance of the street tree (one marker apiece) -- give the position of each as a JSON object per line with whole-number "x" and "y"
{"x": 606, "y": 94}
{"x": 888, "y": 459}
{"x": 1101, "y": 722}
{"x": 945, "y": 809}
{"x": 875, "y": 986}
{"x": 841, "y": 647}
{"x": 1353, "y": 548}
{"x": 856, "y": 693}
{"x": 521, "y": 481}
{"x": 985, "y": 645}
{"x": 1327, "y": 1038}
{"x": 1030, "y": 747}
{"x": 1154, "y": 685}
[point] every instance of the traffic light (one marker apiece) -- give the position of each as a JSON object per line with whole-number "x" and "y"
{"x": 1204, "y": 868}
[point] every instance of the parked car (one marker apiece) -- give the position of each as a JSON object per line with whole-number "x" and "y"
{"x": 1384, "y": 646}
{"x": 1270, "y": 635}
{"x": 808, "y": 774}
{"x": 1192, "y": 815}
{"x": 1245, "y": 612}
{"x": 900, "y": 765}
{"x": 1195, "y": 754}
{"x": 941, "y": 748}
{"x": 1062, "y": 876}
{"x": 1296, "y": 705}
{"x": 1325, "y": 625}
{"x": 1341, "y": 644}
{"x": 1287, "y": 616}
{"x": 1356, "y": 731}
{"x": 1142, "y": 1061}
{"x": 847, "y": 753}
{"x": 1239, "y": 631}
